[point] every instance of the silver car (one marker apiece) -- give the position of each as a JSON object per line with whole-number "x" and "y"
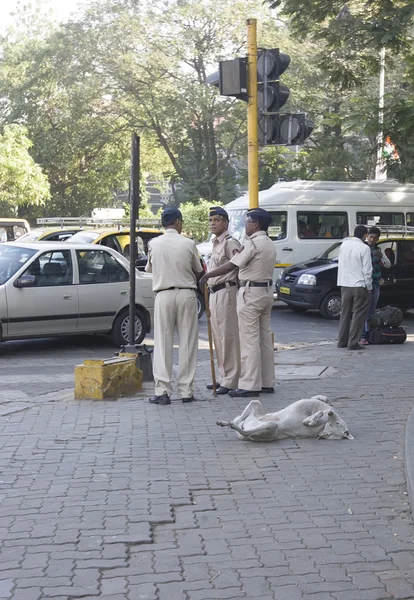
{"x": 60, "y": 288}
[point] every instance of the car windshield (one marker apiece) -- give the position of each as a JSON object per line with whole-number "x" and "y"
{"x": 85, "y": 237}
{"x": 332, "y": 252}
{"x": 237, "y": 221}
{"x": 12, "y": 258}
{"x": 32, "y": 236}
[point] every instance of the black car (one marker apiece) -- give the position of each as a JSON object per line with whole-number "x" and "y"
{"x": 313, "y": 284}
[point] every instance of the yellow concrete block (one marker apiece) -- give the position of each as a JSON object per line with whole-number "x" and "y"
{"x": 109, "y": 378}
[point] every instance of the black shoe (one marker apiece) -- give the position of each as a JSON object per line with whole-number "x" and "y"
{"x": 163, "y": 399}
{"x": 341, "y": 346}
{"x": 356, "y": 347}
{"x": 211, "y": 387}
{"x": 189, "y": 399}
{"x": 239, "y": 393}
{"x": 269, "y": 390}
{"x": 220, "y": 391}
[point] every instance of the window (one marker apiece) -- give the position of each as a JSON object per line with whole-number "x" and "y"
{"x": 12, "y": 258}
{"x": 98, "y": 266}
{"x": 390, "y": 251}
{"x": 111, "y": 241}
{"x": 380, "y": 218}
{"x": 407, "y": 253}
{"x": 322, "y": 225}
{"x": 410, "y": 219}
{"x": 51, "y": 269}
{"x": 237, "y": 221}
{"x": 278, "y": 227}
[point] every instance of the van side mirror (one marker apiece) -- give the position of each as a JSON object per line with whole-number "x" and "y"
{"x": 25, "y": 281}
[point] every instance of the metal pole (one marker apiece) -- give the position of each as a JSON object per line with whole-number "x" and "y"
{"x": 133, "y": 215}
{"x": 380, "y": 168}
{"x": 252, "y": 115}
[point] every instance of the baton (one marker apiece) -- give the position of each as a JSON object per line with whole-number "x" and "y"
{"x": 210, "y": 339}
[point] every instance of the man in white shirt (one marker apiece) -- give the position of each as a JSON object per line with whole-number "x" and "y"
{"x": 355, "y": 279}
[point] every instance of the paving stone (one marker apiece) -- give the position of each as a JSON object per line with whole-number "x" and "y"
{"x": 6, "y": 587}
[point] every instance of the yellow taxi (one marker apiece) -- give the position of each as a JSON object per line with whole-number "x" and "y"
{"x": 119, "y": 240}
{"x": 57, "y": 234}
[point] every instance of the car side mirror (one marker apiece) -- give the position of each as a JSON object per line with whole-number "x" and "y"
{"x": 25, "y": 281}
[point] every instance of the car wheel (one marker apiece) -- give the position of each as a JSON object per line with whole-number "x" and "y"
{"x": 298, "y": 309}
{"x": 331, "y": 306}
{"x": 201, "y": 307}
{"x": 120, "y": 328}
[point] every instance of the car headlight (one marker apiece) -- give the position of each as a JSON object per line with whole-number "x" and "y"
{"x": 306, "y": 279}
{"x": 280, "y": 274}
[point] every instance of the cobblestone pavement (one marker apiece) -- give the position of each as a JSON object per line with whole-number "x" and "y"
{"x": 123, "y": 500}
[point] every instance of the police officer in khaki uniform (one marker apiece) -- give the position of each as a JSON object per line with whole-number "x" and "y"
{"x": 223, "y": 305}
{"x": 174, "y": 261}
{"x": 255, "y": 262}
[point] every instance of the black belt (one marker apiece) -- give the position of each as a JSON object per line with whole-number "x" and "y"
{"x": 176, "y": 288}
{"x": 256, "y": 283}
{"x": 220, "y": 286}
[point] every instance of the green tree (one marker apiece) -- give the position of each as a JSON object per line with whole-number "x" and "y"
{"x": 195, "y": 219}
{"x": 78, "y": 137}
{"x": 22, "y": 181}
{"x": 349, "y": 36}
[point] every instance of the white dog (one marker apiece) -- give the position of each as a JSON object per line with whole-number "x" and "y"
{"x": 305, "y": 418}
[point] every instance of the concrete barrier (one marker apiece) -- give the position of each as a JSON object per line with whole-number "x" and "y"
{"x": 108, "y": 378}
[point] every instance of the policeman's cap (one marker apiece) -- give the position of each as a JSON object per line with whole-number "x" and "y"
{"x": 170, "y": 215}
{"x": 217, "y": 210}
{"x": 261, "y": 216}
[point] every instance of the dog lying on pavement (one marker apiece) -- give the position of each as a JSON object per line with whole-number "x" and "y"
{"x": 312, "y": 417}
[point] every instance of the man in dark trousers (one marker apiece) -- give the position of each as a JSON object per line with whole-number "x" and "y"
{"x": 378, "y": 260}
{"x": 355, "y": 280}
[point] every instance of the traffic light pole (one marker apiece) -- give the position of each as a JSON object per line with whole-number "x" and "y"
{"x": 252, "y": 115}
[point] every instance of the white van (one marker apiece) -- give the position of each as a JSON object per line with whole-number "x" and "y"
{"x": 308, "y": 216}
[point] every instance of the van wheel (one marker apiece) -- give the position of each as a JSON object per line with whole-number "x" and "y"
{"x": 298, "y": 309}
{"x": 120, "y": 328}
{"x": 331, "y": 306}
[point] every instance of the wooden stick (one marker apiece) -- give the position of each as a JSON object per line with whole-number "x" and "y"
{"x": 210, "y": 339}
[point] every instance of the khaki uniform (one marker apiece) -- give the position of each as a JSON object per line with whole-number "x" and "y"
{"x": 223, "y": 309}
{"x": 173, "y": 259}
{"x": 256, "y": 262}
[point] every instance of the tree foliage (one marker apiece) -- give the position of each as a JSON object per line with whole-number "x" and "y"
{"x": 196, "y": 219}
{"x": 22, "y": 181}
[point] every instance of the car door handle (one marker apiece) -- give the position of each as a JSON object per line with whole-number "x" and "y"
{"x": 124, "y": 292}
{"x": 67, "y": 297}
{"x": 288, "y": 249}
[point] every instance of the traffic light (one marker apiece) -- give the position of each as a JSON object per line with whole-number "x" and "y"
{"x": 276, "y": 128}
{"x": 231, "y": 78}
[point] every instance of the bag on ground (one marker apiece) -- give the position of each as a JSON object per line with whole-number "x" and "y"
{"x": 386, "y": 335}
{"x": 387, "y": 315}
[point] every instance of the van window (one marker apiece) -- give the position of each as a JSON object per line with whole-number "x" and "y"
{"x": 236, "y": 224}
{"x": 410, "y": 219}
{"x": 390, "y": 251}
{"x": 380, "y": 218}
{"x": 322, "y": 225}
{"x": 278, "y": 227}
{"x": 12, "y": 230}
